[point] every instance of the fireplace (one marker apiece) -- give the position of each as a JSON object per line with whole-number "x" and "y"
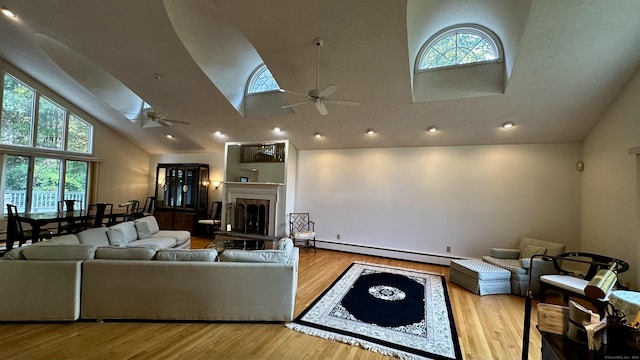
{"x": 255, "y": 208}
{"x": 252, "y": 216}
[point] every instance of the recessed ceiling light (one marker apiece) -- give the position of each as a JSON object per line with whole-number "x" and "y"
{"x": 370, "y": 132}
{"x": 8, "y": 13}
{"x": 508, "y": 125}
{"x": 277, "y": 129}
{"x": 318, "y": 135}
{"x": 169, "y": 136}
{"x": 432, "y": 129}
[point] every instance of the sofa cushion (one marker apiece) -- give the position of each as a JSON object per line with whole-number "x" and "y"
{"x": 209, "y": 255}
{"x": 116, "y": 237}
{"x": 60, "y": 252}
{"x": 146, "y": 226}
{"x": 181, "y": 236}
{"x": 95, "y": 236}
{"x": 128, "y": 229}
{"x": 530, "y": 250}
{"x": 128, "y": 253}
{"x": 158, "y": 243}
{"x": 258, "y": 256}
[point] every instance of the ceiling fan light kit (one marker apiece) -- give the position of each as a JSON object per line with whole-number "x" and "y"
{"x": 316, "y": 96}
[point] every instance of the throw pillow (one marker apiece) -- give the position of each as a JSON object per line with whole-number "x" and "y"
{"x": 128, "y": 228}
{"x": 146, "y": 226}
{"x": 257, "y": 256}
{"x": 15, "y": 254}
{"x": 125, "y": 253}
{"x": 116, "y": 237}
{"x": 531, "y": 250}
{"x": 209, "y": 255}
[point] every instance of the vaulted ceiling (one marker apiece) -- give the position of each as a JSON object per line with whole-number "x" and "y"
{"x": 565, "y": 61}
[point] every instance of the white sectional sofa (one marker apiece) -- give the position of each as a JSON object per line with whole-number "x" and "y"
{"x": 81, "y": 277}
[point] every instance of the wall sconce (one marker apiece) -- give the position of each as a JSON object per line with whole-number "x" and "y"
{"x": 204, "y": 182}
{"x": 217, "y": 183}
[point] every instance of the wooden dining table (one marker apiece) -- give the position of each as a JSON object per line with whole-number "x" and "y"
{"x": 37, "y": 220}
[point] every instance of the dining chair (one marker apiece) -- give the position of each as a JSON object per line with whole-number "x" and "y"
{"x": 67, "y": 226}
{"x": 149, "y": 204}
{"x": 99, "y": 214}
{"x": 214, "y": 218}
{"x": 16, "y": 228}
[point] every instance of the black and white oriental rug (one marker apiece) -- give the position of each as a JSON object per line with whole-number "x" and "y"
{"x": 398, "y": 312}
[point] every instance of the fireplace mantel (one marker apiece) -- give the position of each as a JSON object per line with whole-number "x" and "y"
{"x": 274, "y": 192}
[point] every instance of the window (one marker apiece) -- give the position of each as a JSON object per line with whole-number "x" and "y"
{"x": 261, "y": 80}
{"x": 53, "y": 142}
{"x": 46, "y": 189}
{"x": 48, "y": 130}
{"x": 458, "y": 46}
{"x": 17, "y": 112}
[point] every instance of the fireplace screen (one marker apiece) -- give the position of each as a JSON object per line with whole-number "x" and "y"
{"x": 252, "y": 216}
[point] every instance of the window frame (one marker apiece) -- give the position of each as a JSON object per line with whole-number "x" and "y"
{"x": 33, "y": 151}
{"x": 466, "y": 28}
{"x": 69, "y": 109}
{"x": 259, "y": 70}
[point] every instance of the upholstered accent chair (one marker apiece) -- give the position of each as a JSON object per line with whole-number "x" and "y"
{"x": 518, "y": 262}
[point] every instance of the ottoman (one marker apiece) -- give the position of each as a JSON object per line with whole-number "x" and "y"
{"x": 479, "y": 277}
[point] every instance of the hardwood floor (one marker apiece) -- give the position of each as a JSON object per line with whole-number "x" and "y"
{"x": 489, "y": 327}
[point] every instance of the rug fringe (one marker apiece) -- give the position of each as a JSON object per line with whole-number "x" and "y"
{"x": 351, "y": 341}
{"x": 398, "y": 267}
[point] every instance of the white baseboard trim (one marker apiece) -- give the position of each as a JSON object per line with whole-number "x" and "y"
{"x": 436, "y": 259}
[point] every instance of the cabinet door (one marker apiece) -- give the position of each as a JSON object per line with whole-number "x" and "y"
{"x": 184, "y": 221}
{"x": 164, "y": 218}
{"x": 190, "y": 188}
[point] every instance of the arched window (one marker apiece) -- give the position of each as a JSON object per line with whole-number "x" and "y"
{"x": 459, "y": 45}
{"x": 261, "y": 80}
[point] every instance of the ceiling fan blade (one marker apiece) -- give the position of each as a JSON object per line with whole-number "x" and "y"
{"x": 294, "y": 104}
{"x": 293, "y": 93}
{"x": 342, "y": 102}
{"x": 163, "y": 123}
{"x": 321, "y": 108}
{"x": 330, "y": 89}
{"x": 176, "y": 121}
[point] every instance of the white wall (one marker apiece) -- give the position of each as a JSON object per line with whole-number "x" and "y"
{"x": 123, "y": 173}
{"x": 610, "y": 196}
{"x": 422, "y": 200}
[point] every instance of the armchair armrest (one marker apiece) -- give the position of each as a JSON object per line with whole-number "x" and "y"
{"x": 500, "y": 253}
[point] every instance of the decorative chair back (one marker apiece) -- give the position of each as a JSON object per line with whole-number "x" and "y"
{"x": 14, "y": 226}
{"x": 299, "y": 222}
{"x": 149, "y": 204}
{"x": 100, "y": 214}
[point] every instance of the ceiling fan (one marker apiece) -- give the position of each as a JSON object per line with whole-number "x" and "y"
{"x": 151, "y": 117}
{"x": 316, "y": 96}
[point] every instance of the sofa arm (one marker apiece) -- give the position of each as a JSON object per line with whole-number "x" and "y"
{"x": 541, "y": 267}
{"x": 500, "y": 253}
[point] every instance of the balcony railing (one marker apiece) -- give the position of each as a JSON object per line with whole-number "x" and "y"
{"x": 42, "y": 201}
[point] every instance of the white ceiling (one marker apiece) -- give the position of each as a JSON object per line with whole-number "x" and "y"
{"x": 565, "y": 62}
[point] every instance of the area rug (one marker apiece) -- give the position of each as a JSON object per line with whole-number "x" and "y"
{"x": 393, "y": 311}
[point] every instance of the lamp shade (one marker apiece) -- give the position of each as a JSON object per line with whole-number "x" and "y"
{"x": 601, "y": 283}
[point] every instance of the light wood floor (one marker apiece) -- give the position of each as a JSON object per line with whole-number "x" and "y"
{"x": 489, "y": 327}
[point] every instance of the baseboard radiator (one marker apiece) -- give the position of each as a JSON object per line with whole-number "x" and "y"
{"x": 436, "y": 259}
